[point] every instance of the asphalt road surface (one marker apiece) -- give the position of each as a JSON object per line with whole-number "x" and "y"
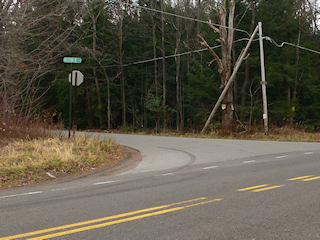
{"x": 183, "y": 188}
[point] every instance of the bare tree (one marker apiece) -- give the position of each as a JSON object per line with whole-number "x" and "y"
{"x": 226, "y": 39}
{"x": 94, "y": 18}
{"x": 33, "y": 36}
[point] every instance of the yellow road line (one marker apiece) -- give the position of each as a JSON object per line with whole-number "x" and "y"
{"x": 299, "y": 178}
{"x": 310, "y": 179}
{"x": 106, "y": 224}
{"x": 97, "y": 220}
{"x": 201, "y": 203}
{"x": 250, "y": 188}
{"x": 268, "y": 188}
{"x": 120, "y": 221}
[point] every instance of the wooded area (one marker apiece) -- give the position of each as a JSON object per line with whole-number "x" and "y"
{"x": 145, "y": 66}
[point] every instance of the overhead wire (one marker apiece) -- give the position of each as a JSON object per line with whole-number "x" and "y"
{"x": 176, "y": 55}
{"x": 218, "y": 46}
{"x": 204, "y": 49}
{"x": 180, "y": 16}
{"x": 290, "y": 44}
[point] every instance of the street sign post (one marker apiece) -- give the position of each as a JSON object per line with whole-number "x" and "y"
{"x": 72, "y": 60}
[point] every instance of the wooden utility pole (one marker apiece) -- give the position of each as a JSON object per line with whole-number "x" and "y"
{"x": 263, "y": 82}
{"x": 225, "y": 90}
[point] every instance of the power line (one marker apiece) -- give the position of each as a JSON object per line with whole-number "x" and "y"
{"x": 218, "y": 46}
{"x": 176, "y": 55}
{"x": 290, "y": 44}
{"x": 180, "y": 16}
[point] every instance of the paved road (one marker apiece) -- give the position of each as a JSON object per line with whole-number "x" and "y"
{"x": 184, "y": 188}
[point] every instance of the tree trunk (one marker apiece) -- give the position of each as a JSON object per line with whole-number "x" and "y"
{"x": 227, "y": 112}
{"x": 178, "y": 66}
{"x": 226, "y": 39}
{"x": 247, "y": 66}
{"x": 164, "y": 108}
{"x": 235, "y": 81}
{"x": 122, "y": 80}
{"x": 199, "y": 17}
{"x": 109, "y": 104}
{"x": 96, "y": 80}
{"x": 108, "y": 98}
{"x": 297, "y": 55}
{"x": 89, "y": 118}
{"x": 154, "y": 45}
{"x": 178, "y": 95}
{"x": 296, "y": 79}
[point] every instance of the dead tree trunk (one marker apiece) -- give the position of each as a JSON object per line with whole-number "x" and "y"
{"x": 226, "y": 40}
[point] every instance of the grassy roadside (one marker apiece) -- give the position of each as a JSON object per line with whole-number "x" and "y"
{"x": 27, "y": 161}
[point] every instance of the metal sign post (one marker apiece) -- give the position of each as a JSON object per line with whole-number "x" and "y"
{"x": 74, "y": 104}
{"x": 72, "y": 60}
{"x": 70, "y": 105}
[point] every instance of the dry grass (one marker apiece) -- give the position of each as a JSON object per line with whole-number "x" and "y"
{"x": 29, "y": 152}
{"x": 27, "y": 161}
{"x": 283, "y": 134}
{"x": 275, "y": 134}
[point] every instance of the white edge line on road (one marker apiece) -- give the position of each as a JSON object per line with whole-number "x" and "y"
{"x": 252, "y": 161}
{"x": 308, "y": 153}
{"x": 60, "y": 189}
{"x": 56, "y": 189}
{"x": 167, "y": 174}
{"x": 282, "y": 156}
{"x": 22, "y": 194}
{"x": 100, "y": 183}
{"x": 209, "y": 167}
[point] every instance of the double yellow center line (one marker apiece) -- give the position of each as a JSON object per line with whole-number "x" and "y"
{"x": 305, "y": 178}
{"x": 260, "y": 188}
{"x": 139, "y": 214}
{"x": 104, "y": 222}
{"x": 265, "y": 187}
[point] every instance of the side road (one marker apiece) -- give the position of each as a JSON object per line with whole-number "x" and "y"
{"x": 167, "y": 153}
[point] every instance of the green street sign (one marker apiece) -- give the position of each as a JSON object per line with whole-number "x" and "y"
{"x": 72, "y": 60}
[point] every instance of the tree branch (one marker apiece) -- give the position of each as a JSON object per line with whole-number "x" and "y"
{"x": 213, "y": 27}
{"x": 205, "y": 44}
